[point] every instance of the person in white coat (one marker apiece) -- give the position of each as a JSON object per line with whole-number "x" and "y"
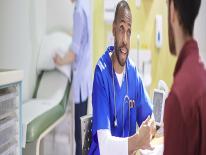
{"x": 79, "y": 55}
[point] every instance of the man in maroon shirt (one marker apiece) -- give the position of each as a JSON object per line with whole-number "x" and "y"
{"x": 185, "y": 107}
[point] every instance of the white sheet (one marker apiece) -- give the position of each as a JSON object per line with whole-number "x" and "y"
{"x": 52, "y": 86}
{"x": 52, "y": 43}
{"x": 66, "y": 70}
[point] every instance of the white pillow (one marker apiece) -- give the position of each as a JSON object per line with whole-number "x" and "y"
{"x": 66, "y": 70}
{"x": 57, "y": 42}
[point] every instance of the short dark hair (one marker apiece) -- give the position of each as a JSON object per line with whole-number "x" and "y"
{"x": 122, "y": 4}
{"x": 187, "y": 11}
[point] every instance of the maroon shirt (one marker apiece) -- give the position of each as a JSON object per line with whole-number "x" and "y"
{"x": 185, "y": 107}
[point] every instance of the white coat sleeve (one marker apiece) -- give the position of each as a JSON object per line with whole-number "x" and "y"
{"x": 110, "y": 145}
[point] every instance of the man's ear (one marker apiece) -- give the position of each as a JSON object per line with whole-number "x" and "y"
{"x": 172, "y": 13}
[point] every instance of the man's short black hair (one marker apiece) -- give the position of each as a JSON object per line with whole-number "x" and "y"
{"x": 187, "y": 11}
{"x": 122, "y": 4}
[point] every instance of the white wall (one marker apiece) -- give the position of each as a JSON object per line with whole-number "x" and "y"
{"x": 16, "y": 41}
{"x": 200, "y": 29}
{"x": 23, "y": 24}
{"x": 59, "y": 15}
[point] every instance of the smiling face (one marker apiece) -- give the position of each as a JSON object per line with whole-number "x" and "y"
{"x": 122, "y": 32}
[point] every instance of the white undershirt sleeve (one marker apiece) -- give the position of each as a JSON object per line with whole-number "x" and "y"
{"x": 110, "y": 145}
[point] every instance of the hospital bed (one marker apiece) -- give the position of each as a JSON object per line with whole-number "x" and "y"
{"x": 48, "y": 106}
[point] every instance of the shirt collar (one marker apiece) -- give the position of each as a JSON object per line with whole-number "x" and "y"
{"x": 188, "y": 48}
{"x": 108, "y": 59}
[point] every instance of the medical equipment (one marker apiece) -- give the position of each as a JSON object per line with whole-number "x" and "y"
{"x": 127, "y": 100}
{"x": 158, "y": 106}
{"x": 49, "y": 104}
{"x": 159, "y": 97}
{"x": 158, "y": 35}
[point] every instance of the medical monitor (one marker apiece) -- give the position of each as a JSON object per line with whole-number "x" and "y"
{"x": 158, "y": 106}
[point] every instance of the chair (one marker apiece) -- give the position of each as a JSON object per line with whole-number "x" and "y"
{"x": 48, "y": 106}
{"x": 50, "y": 84}
{"x": 86, "y": 133}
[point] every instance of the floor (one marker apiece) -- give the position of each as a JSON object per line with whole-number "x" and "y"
{"x": 60, "y": 141}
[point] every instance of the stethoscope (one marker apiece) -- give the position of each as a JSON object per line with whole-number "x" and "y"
{"x": 126, "y": 100}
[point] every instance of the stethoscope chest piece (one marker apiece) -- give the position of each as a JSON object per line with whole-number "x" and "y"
{"x": 115, "y": 122}
{"x": 126, "y": 99}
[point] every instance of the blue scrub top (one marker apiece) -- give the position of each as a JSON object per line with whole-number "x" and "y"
{"x": 103, "y": 100}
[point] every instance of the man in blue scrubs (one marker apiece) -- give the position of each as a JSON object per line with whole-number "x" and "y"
{"x": 119, "y": 98}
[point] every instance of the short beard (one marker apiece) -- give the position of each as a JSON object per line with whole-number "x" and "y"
{"x": 117, "y": 52}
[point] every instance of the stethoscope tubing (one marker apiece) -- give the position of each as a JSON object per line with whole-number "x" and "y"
{"x": 125, "y": 98}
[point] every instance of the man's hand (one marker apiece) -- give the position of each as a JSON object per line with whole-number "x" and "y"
{"x": 145, "y": 134}
{"x": 142, "y": 139}
{"x": 68, "y": 58}
{"x": 58, "y": 59}
{"x": 153, "y": 127}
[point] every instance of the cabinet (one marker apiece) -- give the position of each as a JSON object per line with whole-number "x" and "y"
{"x": 10, "y": 112}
